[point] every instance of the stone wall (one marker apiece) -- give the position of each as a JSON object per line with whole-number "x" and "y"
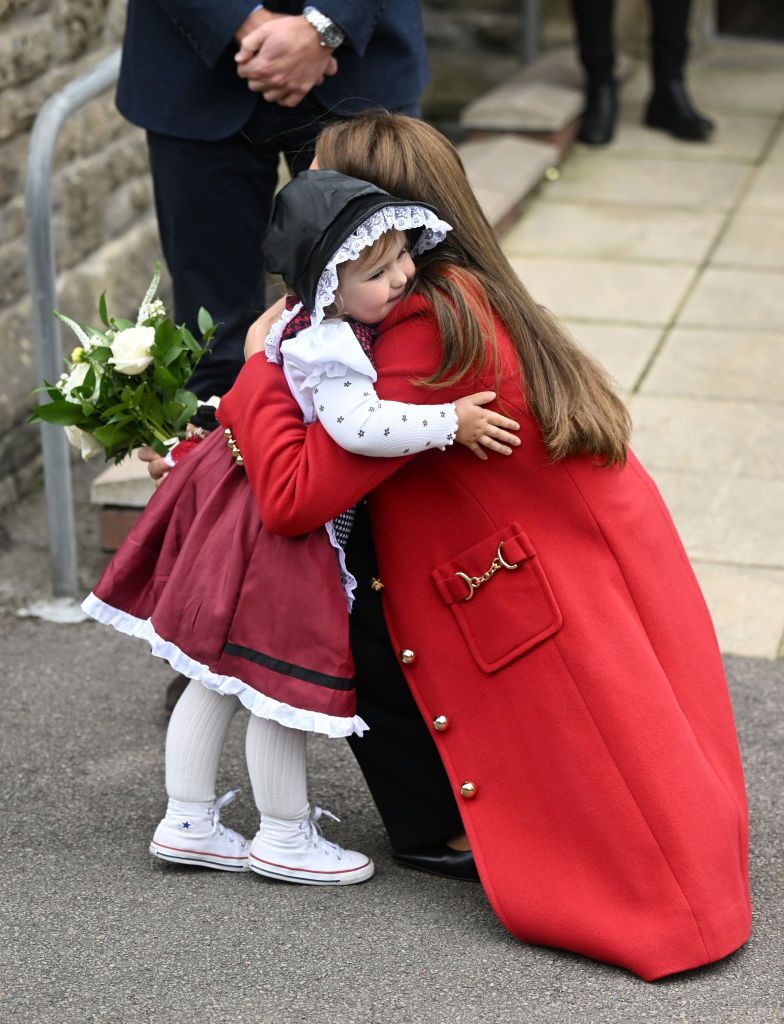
{"x": 103, "y": 223}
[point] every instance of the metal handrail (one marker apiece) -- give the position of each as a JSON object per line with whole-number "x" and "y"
{"x": 42, "y": 277}
{"x": 531, "y": 30}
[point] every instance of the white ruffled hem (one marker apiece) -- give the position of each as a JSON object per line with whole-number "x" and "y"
{"x": 257, "y": 703}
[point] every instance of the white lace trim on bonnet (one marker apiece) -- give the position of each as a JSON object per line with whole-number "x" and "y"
{"x": 388, "y": 218}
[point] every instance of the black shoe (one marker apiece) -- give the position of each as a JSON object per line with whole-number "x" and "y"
{"x": 440, "y": 859}
{"x": 174, "y": 691}
{"x": 597, "y": 125}
{"x": 670, "y": 109}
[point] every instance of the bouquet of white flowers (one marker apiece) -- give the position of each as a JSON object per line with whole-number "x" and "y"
{"x": 124, "y": 386}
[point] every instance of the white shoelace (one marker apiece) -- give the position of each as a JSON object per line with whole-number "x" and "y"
{"x": 220, "y": 803}
{"x": 314, "y": 834}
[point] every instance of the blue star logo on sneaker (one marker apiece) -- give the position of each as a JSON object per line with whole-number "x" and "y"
{"x": 186, "y": 824}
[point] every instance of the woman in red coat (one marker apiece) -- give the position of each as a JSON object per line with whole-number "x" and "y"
{"x": 544, "y": 611}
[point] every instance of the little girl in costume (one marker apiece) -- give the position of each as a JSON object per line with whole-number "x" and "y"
{"x": 260, "y": 619}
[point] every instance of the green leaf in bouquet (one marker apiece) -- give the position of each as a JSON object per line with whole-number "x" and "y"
{"x": 62, "y": 414}
{"x": 109, "y": 434}
{"x": 87, "y": 408}
{"x": 165, "y": 332}
{"x": 101, "y": 354}
{"x": 164, "y": 379}
{"x": 102, "y": 313}
{"x": 204, "y": 320}
{"x": 190, "y": 342}
{"x": 189, "y": 404}
{"x": 120, "y": 324}
{"x": 54, "y": 393}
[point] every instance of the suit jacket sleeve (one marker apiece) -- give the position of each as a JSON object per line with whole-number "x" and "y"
{"x": 358, "y": 20}
{"x": 208, "y": 25}
{"x": 300, "y": 477}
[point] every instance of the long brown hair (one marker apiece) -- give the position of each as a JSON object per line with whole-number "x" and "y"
{"x": 466, "y": 279}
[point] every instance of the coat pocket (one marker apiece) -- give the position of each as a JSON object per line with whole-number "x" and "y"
{"x": 500, "y": 597}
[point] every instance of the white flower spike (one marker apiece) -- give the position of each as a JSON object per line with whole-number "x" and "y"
{"x": 149, "y": 296}
{"x": 84, "y": 340}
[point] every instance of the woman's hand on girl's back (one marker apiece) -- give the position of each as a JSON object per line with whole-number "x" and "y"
{"x": 479, "y": 428}
{"x": 259, "y": 329}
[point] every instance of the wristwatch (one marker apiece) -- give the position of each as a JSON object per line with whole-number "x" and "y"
{"x": 329, "y": 33}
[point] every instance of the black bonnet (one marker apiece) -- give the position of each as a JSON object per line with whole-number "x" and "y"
{"x": 311, "y": 217}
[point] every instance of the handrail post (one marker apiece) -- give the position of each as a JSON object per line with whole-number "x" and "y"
{"x": 42, "y": 277}
{"x": 531, "y": 30}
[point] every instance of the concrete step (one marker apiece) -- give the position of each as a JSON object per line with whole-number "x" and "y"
{"x": 543, "y": 99}
{"x": 503, "y": 170}
{"x": 121, "y": 491}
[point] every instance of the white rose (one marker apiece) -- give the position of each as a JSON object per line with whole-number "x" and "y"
{"x": 75, "y": 379}
{"x": 85, "y": 442}
{"x": 131, "y": 350}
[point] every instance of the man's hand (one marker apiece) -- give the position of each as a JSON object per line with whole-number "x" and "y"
{"x": 254, "y": 20}
{"x": 283, "y": 59}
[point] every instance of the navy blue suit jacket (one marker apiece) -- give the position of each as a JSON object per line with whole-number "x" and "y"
{"x": 178, "y": 72}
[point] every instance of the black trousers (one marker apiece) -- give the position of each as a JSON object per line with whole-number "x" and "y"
{"x": 397, "y": 755}
{"x": 213, "y": 202}
{"x": 669, "y": 38}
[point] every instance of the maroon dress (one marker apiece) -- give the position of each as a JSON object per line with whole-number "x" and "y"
{"x": 225, "y": 601}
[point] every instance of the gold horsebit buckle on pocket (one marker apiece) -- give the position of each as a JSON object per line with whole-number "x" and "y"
{"x": 475, "y": 582}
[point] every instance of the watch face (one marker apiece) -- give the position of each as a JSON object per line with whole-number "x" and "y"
{"x": 332, "y": 36}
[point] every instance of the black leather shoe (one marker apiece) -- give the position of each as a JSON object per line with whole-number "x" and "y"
{"x": 597, "y": 126}
{"x": 670, "y": 109}
{"x": 440, "y": 859}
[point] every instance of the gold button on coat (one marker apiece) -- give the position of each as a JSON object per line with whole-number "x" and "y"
{"x": 376, "y": 584}
{"x": 468, "y": 790}
{"x": 407, "y": 657}
{"x": 441, "y": 723}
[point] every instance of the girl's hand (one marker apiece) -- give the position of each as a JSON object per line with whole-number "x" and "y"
{"x": 157, "y": 466}
{"x": 259, "y": 329}
{"x": 477, "y": 426}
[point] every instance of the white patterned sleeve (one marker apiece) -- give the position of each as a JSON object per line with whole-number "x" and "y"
{"x": 359, "y": 421}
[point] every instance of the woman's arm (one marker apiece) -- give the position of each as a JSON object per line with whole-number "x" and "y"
{"x": 300, "y": 477}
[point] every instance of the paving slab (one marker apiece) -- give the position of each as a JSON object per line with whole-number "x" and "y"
{"x": 713, "y": 363}
{"x": 622, "y": 349}
{"x": 686, "y": 434}
{"x": 643, "y": 181}
{"x": 620, "y": 232}
{"x": 753, "y": 240}
{"x": 746, "y": 607}
{"x": 739, "y": 138}
{"x": 776, "y": 154}
{"x": 717, "y": 88}
{"x": 583, "y": 289}
{"x": 766, "y": 191}
{"x": 524, "y": 106}
{"x": 735, "y": 299}
{"x": 729, "y": 519}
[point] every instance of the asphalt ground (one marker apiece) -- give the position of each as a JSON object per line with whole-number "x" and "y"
{"x": 93, "y": 929}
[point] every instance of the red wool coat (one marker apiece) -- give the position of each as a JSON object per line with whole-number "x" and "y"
{"x": 589, "y": 735}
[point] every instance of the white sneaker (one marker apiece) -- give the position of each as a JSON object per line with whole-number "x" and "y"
{"x": 296, "y": 851}
{"x": 200, "y": 839}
